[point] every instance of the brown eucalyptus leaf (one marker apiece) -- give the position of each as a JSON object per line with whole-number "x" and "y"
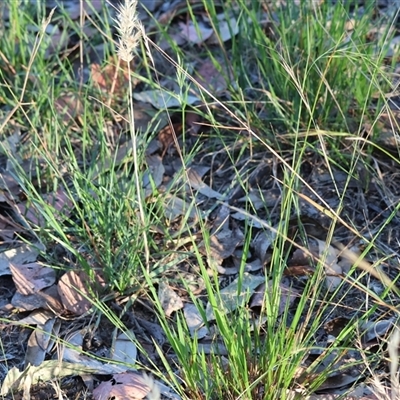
{"x": 73, "y": 288}
{"x": 31, "y": 278}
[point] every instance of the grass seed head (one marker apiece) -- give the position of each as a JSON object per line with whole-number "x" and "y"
{"x": 130, "y": 29}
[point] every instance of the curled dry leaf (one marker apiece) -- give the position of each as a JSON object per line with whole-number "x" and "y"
{"x": 74, "y": 291}
{"x": 38, "y": 343}
{"x": 196, "y": 183}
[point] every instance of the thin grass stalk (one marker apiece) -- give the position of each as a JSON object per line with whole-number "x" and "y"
{"x": 130, "y": 30}
{"x": 136, "y": 171}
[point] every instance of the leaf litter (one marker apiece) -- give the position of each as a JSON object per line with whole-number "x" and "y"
{"x": 70, "y": 294}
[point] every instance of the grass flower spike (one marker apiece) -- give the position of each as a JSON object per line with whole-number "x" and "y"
{"x": 129, "y": 28}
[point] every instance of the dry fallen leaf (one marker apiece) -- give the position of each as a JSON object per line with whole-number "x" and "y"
{"x": 74, "y": 9}
{"x": 24, "y": 254}
{"x": 68, "y": 106}
{"x": 329, "y": 255}
{"x": 154, "y": 174}
{"x": 376, "y": 329}
{"x": 10, "y": 185}
{"x": 263, "y": 241}
{"x": 220, "y": 249}
{"x": 251, "y": 222}
{"x": 71, "y": 351}
{"x": 226, "y": 29}
{"x": 127, "y": 386}
{"x": 175, "y": 207}
{"x": 56, "y": 39}
{"x": 125, "y": 350}
{"x": 113, "y": 79}
{"x": 233, "y": 296}
{"x": 196, "y": 183}
{"x": 31, "y": 278}
{"x": 195, "y": 34}
{"x": 74, "y": 292}
{"x": 208, "y": 76}
{"x": 161, "y": 99}
{"x": 169, "y": 300}
{"x": 286, "y": 298}
{"x": 336, "y": 325}
{"x": 194, "y": 321}
{"x": 47, "y": 299}
{"x": 51, "y": 369}
{"x": 167, "y": 134}
{"x": 38, "y": 342}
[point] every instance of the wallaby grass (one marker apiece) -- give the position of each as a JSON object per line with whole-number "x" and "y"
{"x": 298, "y": 88}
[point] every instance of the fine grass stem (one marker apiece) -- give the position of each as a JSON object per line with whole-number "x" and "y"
{"x": 131, "y": 30}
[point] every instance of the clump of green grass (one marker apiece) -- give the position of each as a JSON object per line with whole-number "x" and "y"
{"x": 307, "y": 77}
{"x": 308, "y": 67}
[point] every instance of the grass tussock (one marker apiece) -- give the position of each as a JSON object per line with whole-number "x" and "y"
{"x": 284, "y": 175}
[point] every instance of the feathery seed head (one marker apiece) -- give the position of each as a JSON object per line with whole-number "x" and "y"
{"x": 129, "y": 28}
